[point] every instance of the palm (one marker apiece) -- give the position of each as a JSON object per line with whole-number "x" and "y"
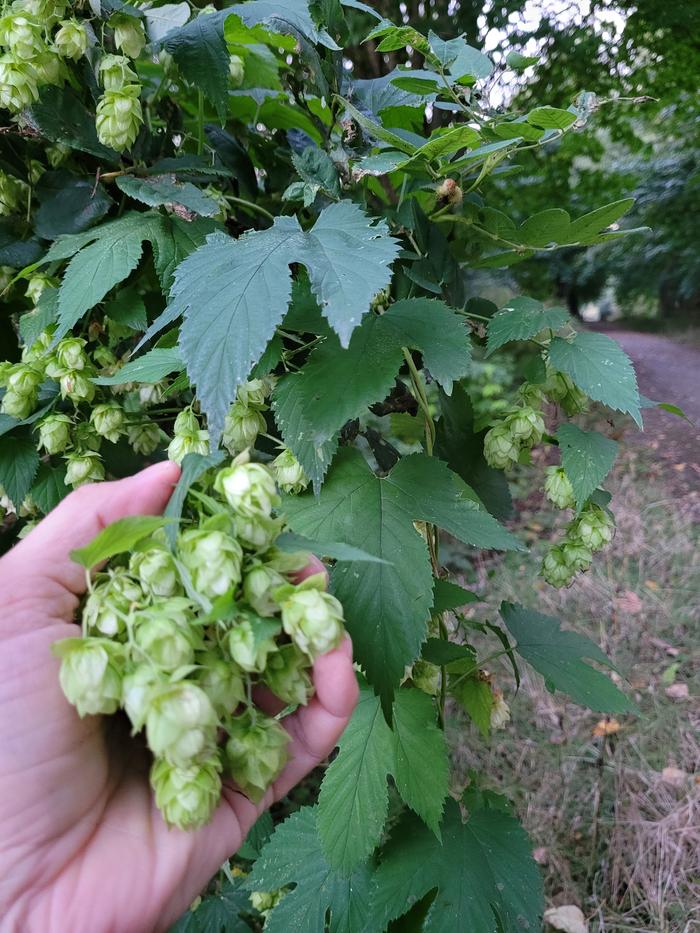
{"x": 82, "y": 839}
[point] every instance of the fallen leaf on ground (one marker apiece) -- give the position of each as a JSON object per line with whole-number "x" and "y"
{"x": 651, "y": 585}
{"x": 630, "y": 603}
{"x": 674, "y": 776}
{"x": 664, "y": 646}
{"x": 570, "y": 919}
{"x": 677, "y": 691}
{"x": 605, "y": 727}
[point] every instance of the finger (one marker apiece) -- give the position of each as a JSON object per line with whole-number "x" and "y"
{"x": 267, "y": 701}
{"x": 76, "y": 521}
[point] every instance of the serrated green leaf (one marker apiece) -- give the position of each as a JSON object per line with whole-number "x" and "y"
{"x": 149, "y": 368}
{"x": 33, "y": 323}
{"x": 521, "y": 319}
{"x": 293, "y": 855}
{"x": 128, "y": 309}
{"x": 476, "y": 698}
{"x": 61, "y": 117}
{"x": 49, "y": 487}
{"x": 546, "y": 227}
{"x": 387, "y": 606}
{"x": 353, "y": 801}
{"x": 441, "y": 652}
{"x": 483, "y": 871}
{"x": 551, "y": 118}
{"x": 559, "y": 656}
{"x": 600, "y": 368}
{"x": 200, "y": 51}
{"x": 316, "y": 167}
{"x": 298, "y": 433}
{"x": 173, "y": 239}
{"x": 587, "y": 457}
{"x": 257, "y": 837}
{"x": 118, "y": 537}
{"x": 193, "y": 467}
{"x": 375, "y": 95}
{"x": 165, "y": 189}
{"x": 335, "y": 550}
{"x": 69, "y": 204}
{"x": 375, "y": 129}
{"x": 459, "y": 59}
{"x": 19, "y": 462}
{"x": 218, "y": 912}
{"x": 445, "y": 142}
{"x": 449, "y": 596}
{"x": 593, "y": 223}
{"x": 164, "y": 19}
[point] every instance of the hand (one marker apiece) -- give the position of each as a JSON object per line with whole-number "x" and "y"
{"x": 82, "y": 845}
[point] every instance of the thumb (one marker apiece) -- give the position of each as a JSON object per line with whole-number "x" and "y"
{"x": 75, "y": 522}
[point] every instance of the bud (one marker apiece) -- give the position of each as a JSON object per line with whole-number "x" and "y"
{"x": 12, "y": 193}
{"x": 222, "y": 682}
{"x": 85, "y": 467}
{"x": 71, "y": 40}
{"x": 236, "y": 70}
{"x": 70, "y": 355}
{"x": 186, "y": 423}
{"x": 257, "y": 533}
{"x": 49, "y": 68}
{"x": 500, "y": 450}
{"x": 525, "y": 425}
{"x": 118, "y": 117}
{"x": 36, "y": 286}
{"x": 213, "y": 560}
{"x": 252, "y": 394}
{"x": 249, "y": 644}
{"x": 556, "y": 569}
{"x": 166, "y": 633}
{"x": 112, "y": 599}
{"x": 258, "y": 585}
{"x": 256, "y": 753}
{"x": 156, "y": 571}
{"x": 91, "y": 674}
{"x": 54, "y": 433}
{"x": 108, "y": 420}
{"x": 287, "y": 675}
{"x": 150, "y": 394}
{"x": 181, "y": 445}
{"x": 76, "y": 386}
{"x": 181, "y": 724}
{"x": 594, "y": 527}
{"x": 139, "y": 686}
{"x": 249, "y": 488}
{"x": 313, "y": 620}
{"x": 24, "y": 379}
{"x": 449, "y": 192}
{"x": 241, "y": 427}
{"x": 426, "y": 677}
{"x": 144, "y": 438}
{"x": 128, "y": 34}
{"x": 18, "y": 84}
{"x": 558, "y": 488}
{"x": 560, "y": 388}
{"x": 21, "y": 36}
{"x": 289, "y": 473}
{"x": 116, "y": 71}
{"x": 500, "y": 711}
{"x": 576, "y": 554}
{"x": 187, "y": 797}
{"x": 18, "y": 406}
{"x": 85, "y": 437}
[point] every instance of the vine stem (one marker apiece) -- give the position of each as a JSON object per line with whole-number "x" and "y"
{"x": 252, "y": 205}
{"x": 479, "y": 664}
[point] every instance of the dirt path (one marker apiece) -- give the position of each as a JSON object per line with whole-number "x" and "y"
{"x": 668, "y": 372}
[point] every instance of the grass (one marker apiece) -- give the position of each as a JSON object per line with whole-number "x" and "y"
{"x": 615, "y": 820}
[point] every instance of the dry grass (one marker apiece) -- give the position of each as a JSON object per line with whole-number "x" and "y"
{"x": 616, "y": 832}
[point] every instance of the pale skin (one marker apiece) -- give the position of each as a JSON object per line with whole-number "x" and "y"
{"x": 82, "y": 846}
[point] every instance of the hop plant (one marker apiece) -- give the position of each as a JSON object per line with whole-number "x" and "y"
{"x": 501, "y": 450}
{"x": 71, "y": 40}
{"x": 560, "y": 388}
{"x": 558, "y": 488}
{"x": 119, "y": 117}
{"x": 22, "y": 35}
{"x": 129, "y": 35}
{"x": 115, "y": 71}
{"x": 143, "y": 438}
{"x": 84, "y": 467}
{"x": 594, "y": 527}
{"x": 109, "y": 421}
{"x": 556, "y": 569}
{"x": 526, "y": 426}
{"x": 12, "y": 193}
{"x": 19, "y": 86}
{"x": 289, "y": 473}
{"x": 179, "y": 638}
{"x": 241, "y": 427}
{"x": 236, "y": 70}
{"x": 189, "y": 438}
{"x": 36, "y": 286}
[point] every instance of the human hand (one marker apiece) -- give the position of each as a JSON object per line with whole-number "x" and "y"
{"x": 82, "y": 845}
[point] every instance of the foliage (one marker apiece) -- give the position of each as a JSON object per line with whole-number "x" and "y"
{"x": 266, "y": 251}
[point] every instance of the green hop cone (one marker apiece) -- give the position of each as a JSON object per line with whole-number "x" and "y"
{"x": 186, "y": 423}
{"x": 525, "y": 425}
{"x": 257, "y": 533}
{"x": 249, "y": 643}
{"x": 249, "y": 488}
{"x": 558, "y": 488}
{"x": 500, "y": 449}
{"x": 426, "y": 677}
{"x": 36, "y": 286}
{"x": 17, "y": 405}
{"x": 255, "y": 753}
{"x": 139, "y": 686}
{"x": 289, "y": 473}
{"x": 24, "y": 379}
{"x": 156, "y": 571}
{"x": 181, "y": 445}
{"x": 166, "y": 634}
{"x": 576, "y": 554}
{"x": 313, "y": 620}
{"x": 560, "y": 388}
{"x": 84, "y": 467}
{"x": 76, "y": 386}
{"x": 71, "y": 40}
{"x": 241, "y": 428}
{"x": 594, "y": 527}
{"x": 69, "y": 354}
{"x": 287, "y": 675}
{"x": 181, "y": 724}
{"x": 253, "y": 393}
{"x": 129, "y": 36}
{"x": 21, "y": 35}
{"x": 236, "y": 70}
{"x": 49, "y": 68}
{"x": 144, "y": 438}
{"x": 116, "y": 71}
{"x": 13, "y": 193}
{"x": 109, "y": 421}
{"x": 186, "y": 797}
{"x": 111, "y": 600}
{"x": 265, "y": 901}
{"x": 213, "y": 560}
{"x": 19, "y": 87}
{"x": 104, "y": 358}
{"x": 85, "y": 437}
{"x": 222, "y": 682}
{"x": 259, "y": 583}
{"x": 556, "y": 569}
{"x": 119, "y": 117}
{"x": 91, "y": 674}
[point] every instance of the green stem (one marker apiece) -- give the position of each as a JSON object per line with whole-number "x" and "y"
{"x": 200, "y": 122}
{"x": 480, "y": 664}
{"x": 252, "y": 205}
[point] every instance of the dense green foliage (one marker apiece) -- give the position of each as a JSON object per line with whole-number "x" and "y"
{"x": 217, "y": 234}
